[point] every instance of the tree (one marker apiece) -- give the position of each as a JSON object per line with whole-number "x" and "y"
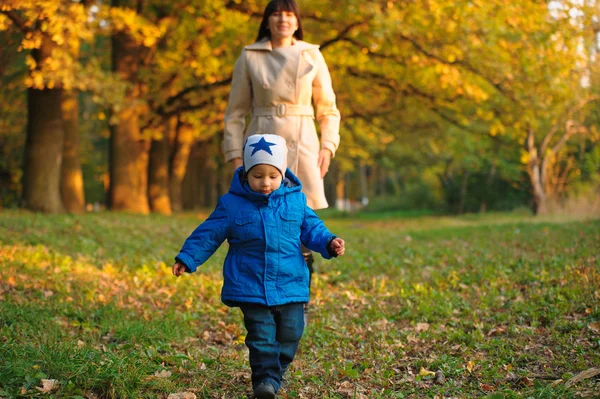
{"x": 51, "y": 30}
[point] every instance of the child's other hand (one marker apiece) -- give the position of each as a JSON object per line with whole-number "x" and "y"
{"x": 337, "y": 246}
{"x": 178, "y": 269}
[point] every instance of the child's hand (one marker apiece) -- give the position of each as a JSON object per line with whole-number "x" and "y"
{"x": 178, "y": 269}
{"x": 337, "y": 246}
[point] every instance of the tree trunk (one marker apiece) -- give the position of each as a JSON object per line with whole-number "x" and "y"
{"x": 463, "y": 192}
{"x": 43, "y": 151}
{"x": 537, "y": 175}
{"x": 364, "y": 191}
{"x": 158, "y": 175}
{"x": 490, "y": 180}
{"x": 71, "y": 183}
{"x": 128, "y": 149}
{"x": 539, "y": 195}
{"x": 340, "y": 190}
{"x": 178, "y": 164}
{"x": 194, "y": 189}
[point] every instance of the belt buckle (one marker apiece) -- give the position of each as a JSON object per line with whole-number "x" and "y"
{"x": 281, "y": 110}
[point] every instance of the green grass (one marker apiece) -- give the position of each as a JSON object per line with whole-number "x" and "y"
{"x": 501, "y": 304}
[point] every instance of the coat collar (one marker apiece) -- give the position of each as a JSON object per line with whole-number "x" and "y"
{"x": 265, "y": 44}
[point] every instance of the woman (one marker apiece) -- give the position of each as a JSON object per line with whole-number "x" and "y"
{"x": 275, "y": 80}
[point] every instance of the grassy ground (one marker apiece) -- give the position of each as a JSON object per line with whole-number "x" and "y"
{"x": 422, "y": 307}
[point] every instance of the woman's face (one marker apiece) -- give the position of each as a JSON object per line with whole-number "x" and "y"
{"x": 283, "y": 24}
{"x": 264, "y": 178}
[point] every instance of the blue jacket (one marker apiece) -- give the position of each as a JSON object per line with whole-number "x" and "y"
{"x": 264, "y": 264}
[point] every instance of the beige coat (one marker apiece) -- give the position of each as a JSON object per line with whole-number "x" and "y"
{"x": 265, "y": 78}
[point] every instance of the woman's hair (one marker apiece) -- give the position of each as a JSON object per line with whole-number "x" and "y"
{"x": 279, "y": 5}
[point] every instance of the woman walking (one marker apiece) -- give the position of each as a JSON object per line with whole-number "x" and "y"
{"x": 276, "y": 80}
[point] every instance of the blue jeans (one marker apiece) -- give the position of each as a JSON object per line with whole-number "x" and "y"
{"x": 273, "y": 337}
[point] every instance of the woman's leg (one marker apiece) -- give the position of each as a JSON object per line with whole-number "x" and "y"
{"x": 309, "y": 259}
{"x": 262, "y": 344}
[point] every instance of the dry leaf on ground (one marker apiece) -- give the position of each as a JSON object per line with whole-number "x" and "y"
{"x": 486, "y": 387}
{"x": 425, "y": 373}
{"x": 182, "y": 395}
{"x": 595, "y": 327}
{"x": 47, "y": 385}
{"x": 163, "y": 374}
{"x": 584, "y": 375}
{"x": 470, "y": 366}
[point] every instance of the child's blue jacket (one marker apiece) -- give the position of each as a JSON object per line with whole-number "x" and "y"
{"x": 264, "y": 264}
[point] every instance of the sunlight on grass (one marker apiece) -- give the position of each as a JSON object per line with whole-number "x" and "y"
{"x": 478, "y": 303}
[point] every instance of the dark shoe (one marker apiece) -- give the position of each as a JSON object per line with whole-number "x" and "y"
{"x": 264, "y": 391}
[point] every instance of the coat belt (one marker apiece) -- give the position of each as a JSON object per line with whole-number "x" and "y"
{"x": 283, "y": 110}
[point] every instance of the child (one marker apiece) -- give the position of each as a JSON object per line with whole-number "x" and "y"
{"x": 265, "y": 219}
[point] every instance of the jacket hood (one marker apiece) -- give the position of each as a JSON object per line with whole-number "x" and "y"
{"x": 239, "y": 186}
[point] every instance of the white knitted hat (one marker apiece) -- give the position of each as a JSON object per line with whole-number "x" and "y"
{"x": 269, "y": 149}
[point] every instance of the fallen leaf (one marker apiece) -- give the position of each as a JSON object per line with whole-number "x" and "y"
{"x": 556, "y": 382}
{"x": 440, "y": 378}
{"x": 510, "y": 376}
{"x": 422, "y": 327}
{"x": 595, "y": 327}
{"x": 486, "y": 387}
{"x": 525, "y": 381}
{"x": 182, "y": 395}
{"x": 584, "y": 375}
{"x": 425, "y": 373}
{"x": 47, "y": 385}
{"x": 163, "y": 374}
{"x": 496, "y": 330}
{"x": 470, "y": 366}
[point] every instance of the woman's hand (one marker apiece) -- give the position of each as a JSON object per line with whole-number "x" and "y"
{"x": 324, "y": 161}
{"x": 236, "y": 163}
{"x": 178, "y": 269}
{"x": 337, "y": 246}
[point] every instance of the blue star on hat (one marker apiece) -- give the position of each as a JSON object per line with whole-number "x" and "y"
{"x": 262, "y": 144}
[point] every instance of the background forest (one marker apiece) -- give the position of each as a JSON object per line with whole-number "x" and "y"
{"x": 447, "y": 106}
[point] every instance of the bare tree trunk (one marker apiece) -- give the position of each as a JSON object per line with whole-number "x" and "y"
{"x": 490, "y": 179}
{"x": 128, "y": 167}
{"x": 364, "y": 191}
{"x": 340, "y": 190}
{"x": 224, "y": 170}
{"x": 71, "y": 183}
{"x": 536, "y": 175}
{"x": 44, "y": 143}
{"x": 539, "y": 196}
{"x": 178, "y": 164}
{"x": 158, "y": 175}
{"x": 128, "y": 149}
{"x": 199, "y": 181}
{"x": 463, "y": 192}
{"x": 43, "y": 151}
